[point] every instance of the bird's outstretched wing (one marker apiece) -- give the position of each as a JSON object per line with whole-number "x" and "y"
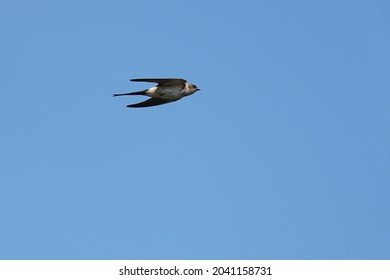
{"x": 151, "y": 102}
{"x": 162, "y": 82}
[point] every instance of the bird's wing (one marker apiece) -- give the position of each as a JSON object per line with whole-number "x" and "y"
{"x": 163, "y": 82}
{"x": 151, "y": 102}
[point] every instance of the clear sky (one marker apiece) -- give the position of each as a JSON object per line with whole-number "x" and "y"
{"x": 283, "y": 154}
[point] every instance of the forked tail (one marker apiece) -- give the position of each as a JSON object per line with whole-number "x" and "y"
{"x": 142, "y": 92}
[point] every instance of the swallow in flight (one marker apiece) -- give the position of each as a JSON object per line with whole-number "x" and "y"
{"x": 167, "y": 90}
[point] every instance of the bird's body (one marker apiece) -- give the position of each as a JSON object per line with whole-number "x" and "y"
{"x": 167, "y": 90}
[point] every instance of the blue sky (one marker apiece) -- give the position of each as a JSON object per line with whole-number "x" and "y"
{"x": 283, "y": 154}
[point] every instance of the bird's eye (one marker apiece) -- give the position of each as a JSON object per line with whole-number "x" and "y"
{"x": 194, "y": 86}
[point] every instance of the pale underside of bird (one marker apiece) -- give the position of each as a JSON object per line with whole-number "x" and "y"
{"x": 167, "y": 90}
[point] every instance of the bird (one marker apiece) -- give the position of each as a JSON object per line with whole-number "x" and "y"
{"x": 167, "y": 90}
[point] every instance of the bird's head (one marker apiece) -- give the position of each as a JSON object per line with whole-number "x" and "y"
{"x": 191, "y": 88}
